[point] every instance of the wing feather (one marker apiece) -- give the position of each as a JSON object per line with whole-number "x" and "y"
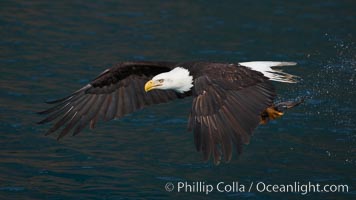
{"x": 111, "y": 111}
{"x": 116, "y": 92}
{"x": 226, "y": 108}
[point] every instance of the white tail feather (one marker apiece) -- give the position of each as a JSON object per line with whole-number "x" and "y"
{"x": 273, "y": 74}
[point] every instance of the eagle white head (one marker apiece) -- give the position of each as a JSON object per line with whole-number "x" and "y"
{"x": 178, "y": 79}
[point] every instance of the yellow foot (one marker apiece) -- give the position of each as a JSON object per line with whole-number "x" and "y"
{"x": 273, "y": 113}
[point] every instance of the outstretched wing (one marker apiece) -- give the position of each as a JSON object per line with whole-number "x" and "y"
{"x": 227, "y": 107}
{"x": 114, "y": 93}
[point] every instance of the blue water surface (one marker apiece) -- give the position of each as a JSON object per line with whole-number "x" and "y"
{"x": 50, "y": 48}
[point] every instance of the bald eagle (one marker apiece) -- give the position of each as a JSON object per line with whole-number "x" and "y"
{"x": 229, "y": 100}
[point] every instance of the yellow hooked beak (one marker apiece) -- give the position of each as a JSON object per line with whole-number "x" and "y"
{"x": 150, "y": 85}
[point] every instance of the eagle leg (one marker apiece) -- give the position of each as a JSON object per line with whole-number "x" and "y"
{"x": 271, "y": 113}
{"x": 276, "y": 111}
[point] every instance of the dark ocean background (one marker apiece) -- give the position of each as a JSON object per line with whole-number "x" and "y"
{"x": 49, "y": 49}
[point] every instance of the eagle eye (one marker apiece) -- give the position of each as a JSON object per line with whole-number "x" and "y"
{"x": 160, "y": 80}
